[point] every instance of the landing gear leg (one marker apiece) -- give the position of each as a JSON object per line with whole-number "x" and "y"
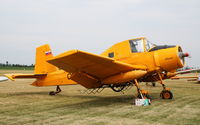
{"x": 58, "y": 90}
{"x": 165, "y": 93}
{"x": 142, "y": 94}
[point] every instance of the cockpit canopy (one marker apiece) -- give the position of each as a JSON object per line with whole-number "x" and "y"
{"x": 127, "y": 47}
{"x": 140, "y": 45}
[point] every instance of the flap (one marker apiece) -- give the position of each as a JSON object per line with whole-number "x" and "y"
{"x": 96, "y": 66}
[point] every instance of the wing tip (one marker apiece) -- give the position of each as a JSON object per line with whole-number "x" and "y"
{"x": 70, "y": 52}
{"x": 9, "y": 76}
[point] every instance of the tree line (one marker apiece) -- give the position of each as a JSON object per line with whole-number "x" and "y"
{"x": 16, "y": 66}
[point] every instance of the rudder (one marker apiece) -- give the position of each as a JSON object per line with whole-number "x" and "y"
{"x": 43, "y": 53}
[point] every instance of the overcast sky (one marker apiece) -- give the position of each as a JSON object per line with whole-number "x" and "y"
{"x": 95, "y": 25}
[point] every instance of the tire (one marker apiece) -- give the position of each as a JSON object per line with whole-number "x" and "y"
{"x": 166, "y": 94}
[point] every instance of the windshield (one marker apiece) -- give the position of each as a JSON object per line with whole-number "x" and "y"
{"x": 149, "y": 45}
{"x": 136, "y": 45}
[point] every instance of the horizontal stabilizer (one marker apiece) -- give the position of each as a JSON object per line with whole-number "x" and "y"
{"x": 14, "y": 76}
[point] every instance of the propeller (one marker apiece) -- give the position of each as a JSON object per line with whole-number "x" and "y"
{"x": 183, "y": 55}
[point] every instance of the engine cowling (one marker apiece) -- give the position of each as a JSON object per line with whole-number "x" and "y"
{"x": 170, "y": 59}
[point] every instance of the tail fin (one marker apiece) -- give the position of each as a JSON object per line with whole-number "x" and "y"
{"x": 43, "y": 53}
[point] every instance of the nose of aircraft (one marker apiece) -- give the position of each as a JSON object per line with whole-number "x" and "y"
{"x": 182, "y": 55}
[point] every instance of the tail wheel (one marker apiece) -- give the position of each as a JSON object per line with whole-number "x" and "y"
{"x": 58, "y": 90}
{"x": 52, "y": 93}
{"x": 166, "y": 94}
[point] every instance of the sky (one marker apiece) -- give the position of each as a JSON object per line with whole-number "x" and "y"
{"x": 95, "y": 25}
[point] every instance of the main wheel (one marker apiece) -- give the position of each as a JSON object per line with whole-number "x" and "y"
{"x": 166, "y": 94}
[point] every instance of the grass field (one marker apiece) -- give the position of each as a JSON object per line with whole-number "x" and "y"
{"x": 21, "y": 103}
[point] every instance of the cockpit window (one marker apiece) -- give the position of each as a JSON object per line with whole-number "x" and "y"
{"x": 161, "y": 47}
{"x": 111, "y": 55}
{"x": 136, "y": 46}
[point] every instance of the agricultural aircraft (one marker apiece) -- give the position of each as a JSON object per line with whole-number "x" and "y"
{"x": 124, "y": 64}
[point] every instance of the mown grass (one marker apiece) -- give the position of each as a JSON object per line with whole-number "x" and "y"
{"x": 21, "y": 103}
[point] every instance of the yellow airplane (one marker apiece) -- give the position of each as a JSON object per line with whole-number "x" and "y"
{"x": 195, "y": 77}
{"x": 125, "y": 63}
{"x": 177, "y": 76}
{"x": 189, "y": 78}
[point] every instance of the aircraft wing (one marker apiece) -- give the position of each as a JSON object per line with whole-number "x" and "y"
{"x": 184, "y": 77}
{"x": 189, "y": 78}
{"x": 187, "y": 71}
{"x": 87, "y": 64}
{"x": 91, "y": 64}
{"x": 195, "y": 78}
